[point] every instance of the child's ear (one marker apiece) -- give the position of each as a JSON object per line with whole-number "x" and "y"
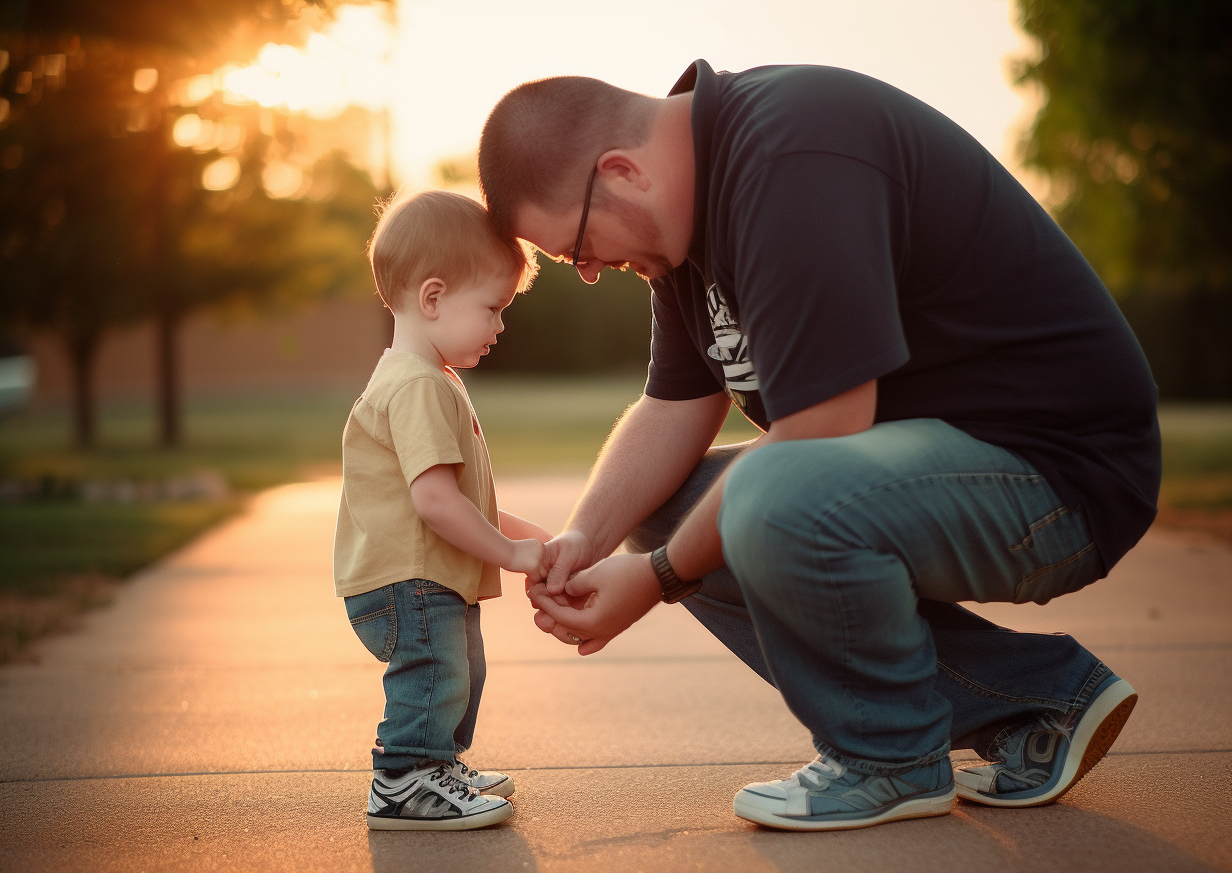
{"x": 430, "y": 293}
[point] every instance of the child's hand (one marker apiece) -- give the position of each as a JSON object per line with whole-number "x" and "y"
{"x": 529, "y": 557}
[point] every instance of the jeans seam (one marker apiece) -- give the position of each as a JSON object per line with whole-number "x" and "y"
{"x": 1059, "y": 564}
{"x": 857, "y": 496}
{"x": 422, "y": 609}
{"x": 875, "y": 768}
{"x": 1044, "y": 702}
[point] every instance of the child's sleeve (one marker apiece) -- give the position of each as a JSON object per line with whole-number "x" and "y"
{"x": 423, "y": 418}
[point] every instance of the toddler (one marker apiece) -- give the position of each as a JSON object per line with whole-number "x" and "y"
{"x": 419, "y": 540}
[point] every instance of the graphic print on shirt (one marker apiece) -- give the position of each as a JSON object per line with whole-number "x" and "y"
{"x": 731, "y": 349}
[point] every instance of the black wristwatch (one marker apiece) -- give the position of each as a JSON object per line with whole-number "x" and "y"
{"x": 674, "y": 588}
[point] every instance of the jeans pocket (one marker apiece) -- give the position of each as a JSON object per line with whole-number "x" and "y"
{"x": 1059, "y": 556}
{"x": 374, "y": 618}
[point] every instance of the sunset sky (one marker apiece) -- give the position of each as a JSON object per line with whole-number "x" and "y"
{"x": 438, "y": 66}
{"x": 455, "y": 58}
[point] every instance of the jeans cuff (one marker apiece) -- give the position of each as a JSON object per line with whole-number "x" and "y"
{"x": 879, "y": 768}
{"x": 1083, "y": 700}
{"x": 404, "y": 759}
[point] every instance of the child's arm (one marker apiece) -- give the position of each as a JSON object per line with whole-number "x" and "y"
{"x": 456, "y": 520}
{"x": 520, "y": 529}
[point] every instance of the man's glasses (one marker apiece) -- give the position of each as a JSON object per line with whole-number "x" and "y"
{"x": 590, "y": 187}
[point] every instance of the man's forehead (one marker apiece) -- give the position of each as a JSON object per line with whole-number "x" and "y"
{"x": 550, "y": 230}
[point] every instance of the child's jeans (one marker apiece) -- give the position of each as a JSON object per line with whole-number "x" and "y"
{"x": 430, "y": 639}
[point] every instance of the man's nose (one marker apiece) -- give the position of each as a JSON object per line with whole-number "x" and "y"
{"x": 590, "y": 270}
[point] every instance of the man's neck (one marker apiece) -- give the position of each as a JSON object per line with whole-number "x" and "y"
{"x": 672, "y": 137}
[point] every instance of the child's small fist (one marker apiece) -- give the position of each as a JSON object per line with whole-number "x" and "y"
{"x": 530, "y": 557}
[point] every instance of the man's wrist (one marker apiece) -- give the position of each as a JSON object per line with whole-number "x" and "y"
{"x": 673, "y": 587}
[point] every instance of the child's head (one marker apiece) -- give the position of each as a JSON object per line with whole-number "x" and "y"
{"x": 436, "y": 234}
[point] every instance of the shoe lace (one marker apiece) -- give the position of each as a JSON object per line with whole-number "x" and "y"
{"x": 1049, "y": 722}
{"x": 467, "y": 772}
{"x": 451, "y": 783}
{"x": 810, "y": 778}
{"x": 1062, "y": 724}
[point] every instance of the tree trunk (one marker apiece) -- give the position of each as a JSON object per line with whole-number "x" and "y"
{"x": 83, "y": 352}
{"x": 168, "y": 326}
{"x": 166, "y": 305}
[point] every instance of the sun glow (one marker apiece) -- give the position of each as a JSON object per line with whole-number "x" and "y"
{"x": 345, "y": 65}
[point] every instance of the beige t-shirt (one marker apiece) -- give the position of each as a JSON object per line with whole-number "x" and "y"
{"x": 409, "y": 418}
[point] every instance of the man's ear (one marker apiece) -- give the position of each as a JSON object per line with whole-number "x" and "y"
{"x": 430, "y": 293}
{"x": 622, "y": 165}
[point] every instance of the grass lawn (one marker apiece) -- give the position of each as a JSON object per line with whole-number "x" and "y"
{"x": 58, "y": 555}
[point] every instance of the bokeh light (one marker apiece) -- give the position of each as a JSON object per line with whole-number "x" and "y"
{"x": 281, "y": 179}
{"x": 145, "y": 81}
{"x": 221, "y": 174}
{"x": 344, "y": 65}
{"x": 187, "y": 129}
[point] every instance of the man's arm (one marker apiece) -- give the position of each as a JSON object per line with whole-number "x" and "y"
{"x": 620, "y": 590}
{"x": 650, "y": 452}
{"x": 520, "y": 529}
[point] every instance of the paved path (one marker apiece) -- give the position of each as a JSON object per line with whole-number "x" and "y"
{"x": 218, "y": 717}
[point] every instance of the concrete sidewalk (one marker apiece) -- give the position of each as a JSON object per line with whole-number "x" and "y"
{"x": 219, "y": 716}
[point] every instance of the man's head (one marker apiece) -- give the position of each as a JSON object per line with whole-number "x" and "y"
{"x": 539, "y": 148}
{"x": 436, "y": 234}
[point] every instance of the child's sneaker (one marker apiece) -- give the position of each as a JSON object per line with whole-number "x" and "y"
{"x": 483, "y": 781}
{"x": 430, "y": 799}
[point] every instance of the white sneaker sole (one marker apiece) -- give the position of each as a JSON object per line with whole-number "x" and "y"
{"x": 752, "y": 807}
{"x": 1094, "y": 734}
{"x": 460, "y": 823}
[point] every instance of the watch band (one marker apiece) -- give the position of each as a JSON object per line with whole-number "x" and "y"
{"x": 674, "y": 588}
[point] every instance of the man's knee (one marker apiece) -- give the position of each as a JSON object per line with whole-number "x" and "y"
{"x": 753, "y": 517}
{"x": 787, "y": 493}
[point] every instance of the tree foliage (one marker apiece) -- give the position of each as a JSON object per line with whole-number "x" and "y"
{"x": 105, "y": 220}
{"x": 1137, "y": 140}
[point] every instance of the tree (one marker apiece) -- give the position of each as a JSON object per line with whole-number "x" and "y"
{"x": 104, "y": 219}
{"x": 1137, "y": 141}
{"x": 69, "y": 209}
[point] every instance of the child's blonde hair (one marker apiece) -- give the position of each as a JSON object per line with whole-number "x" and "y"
{"x": 438, "y": 234}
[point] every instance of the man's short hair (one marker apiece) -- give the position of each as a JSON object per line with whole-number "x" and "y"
{"x": 438, "y": 234}
{"x": 542, "y": 139}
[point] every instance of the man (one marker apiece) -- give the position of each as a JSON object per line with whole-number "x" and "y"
{"x": 953, "y": 408}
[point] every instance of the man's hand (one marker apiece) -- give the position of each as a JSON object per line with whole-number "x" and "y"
{"x": 604, "y": 600}
{"x": 569, "y": 552}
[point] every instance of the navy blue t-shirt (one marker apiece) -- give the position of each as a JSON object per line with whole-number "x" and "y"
{"x": 845, "y": 231}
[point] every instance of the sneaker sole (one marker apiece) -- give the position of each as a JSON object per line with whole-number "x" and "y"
{"x": 1095, "y": 733}
{"x": 460, "y": 823}
{"x": 919, "y": 807}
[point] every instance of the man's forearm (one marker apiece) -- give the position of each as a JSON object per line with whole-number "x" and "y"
{"x": 696, "y": 548}
{"x": 651, "y": 451}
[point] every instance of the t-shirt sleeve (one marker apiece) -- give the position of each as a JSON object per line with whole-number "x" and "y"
{"x": 677, "y": 371}
{"x": 422, "y": 423}
{"x": 815, "y": 277}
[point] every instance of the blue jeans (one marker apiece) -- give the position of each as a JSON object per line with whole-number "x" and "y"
{"x": 430, "y": 639}
{"x": 844, "y": 561}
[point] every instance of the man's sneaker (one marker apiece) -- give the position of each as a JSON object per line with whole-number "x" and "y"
{"x": 483, "y": 781}
{"x": 825, "y": 796}
{"x": 430, "y": 799}
{"x": 1042, "y": 759}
